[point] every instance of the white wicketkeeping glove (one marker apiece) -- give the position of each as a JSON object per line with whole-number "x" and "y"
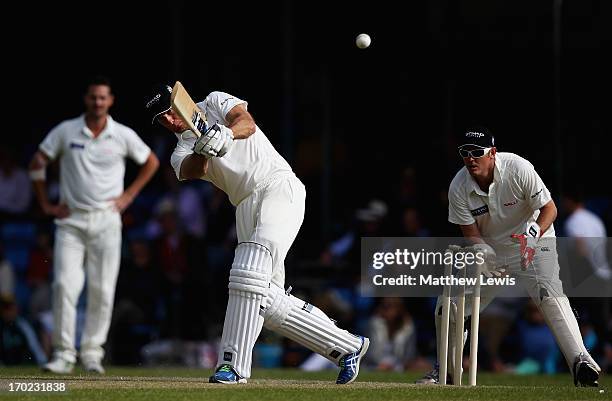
{"x": 215, "y": 142}
{"x": 489, "y": 268}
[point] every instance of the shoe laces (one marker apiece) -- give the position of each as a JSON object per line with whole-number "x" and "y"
{"x": 225, "y": 368}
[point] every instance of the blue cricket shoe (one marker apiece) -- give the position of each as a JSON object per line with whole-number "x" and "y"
{"x": 349, "y": 364}
{"x": 226, "y": 374}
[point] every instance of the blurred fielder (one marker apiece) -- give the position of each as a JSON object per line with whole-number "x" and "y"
{"x": 92, "y": 149}
{"x": 236, "y": 156}
{"x": 500, "y": 197}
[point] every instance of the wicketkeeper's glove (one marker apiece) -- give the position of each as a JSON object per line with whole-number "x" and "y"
{"x": 215, "y": 142}
{"x": 489, "y": 268}
{"x": 527, "y": 242}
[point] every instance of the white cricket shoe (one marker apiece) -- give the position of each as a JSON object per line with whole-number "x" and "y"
{"x": 59, "y": 366}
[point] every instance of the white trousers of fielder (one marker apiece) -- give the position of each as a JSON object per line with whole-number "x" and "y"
{"x": 87, "y": 245}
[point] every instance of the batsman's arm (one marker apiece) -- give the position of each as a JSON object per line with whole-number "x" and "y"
{"x": 37, "y": 169}
{"x": 193, "y": 167}
{"x": 240, "y": 122}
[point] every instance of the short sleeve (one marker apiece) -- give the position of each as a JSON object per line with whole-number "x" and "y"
{"x": 571, "y": 229}
{"x": 458, "y": 210}
{"x": 535, "y": 192}
{"x": 221, "y": 103}
{"x": 183, "y": 148}
{"x": 137, "y": 150}
{"x": 52, "y": 144}
{"x": 576, "y": 227}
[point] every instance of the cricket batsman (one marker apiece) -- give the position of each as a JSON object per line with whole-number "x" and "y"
{"x": 237, "y": 157}
{"x": 501, "y": 205}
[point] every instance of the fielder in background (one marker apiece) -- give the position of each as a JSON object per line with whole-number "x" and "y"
{"x": 499, "y": 198}
{"x": 91, "y": 149}
{"x": 237, "y": 157}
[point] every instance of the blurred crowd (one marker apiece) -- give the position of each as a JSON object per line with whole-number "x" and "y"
{"x": 178, "y": 248}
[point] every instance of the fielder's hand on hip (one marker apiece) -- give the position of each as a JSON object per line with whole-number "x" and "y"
{"x": 60, "y": 211}
{"x": 489, "y": 268}
{"x": 215, "y": 142}
{"x": 123, "y": 201}
{"x": 527, "y": 242}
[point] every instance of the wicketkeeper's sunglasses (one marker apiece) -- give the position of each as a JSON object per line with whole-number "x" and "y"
{"x": 475, "y": 153}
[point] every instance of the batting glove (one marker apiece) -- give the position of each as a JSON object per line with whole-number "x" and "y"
{"x": 527, "y": 242}
{"x": 215, "y": 142}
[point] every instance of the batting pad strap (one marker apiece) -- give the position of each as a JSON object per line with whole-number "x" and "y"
{"x": 244, "y": 280}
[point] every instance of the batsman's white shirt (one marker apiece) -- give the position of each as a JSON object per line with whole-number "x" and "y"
{"x": 514, "y": 198}
{"x": 248, "y": 163}
{"x": 269, "y": 198}
{"x": 92, "y": 169}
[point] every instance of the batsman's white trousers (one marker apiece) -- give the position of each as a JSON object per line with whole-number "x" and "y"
{"x": 267, "y": 223}
{"x": 87, "y": 244}
{"x": 272, "y": 217}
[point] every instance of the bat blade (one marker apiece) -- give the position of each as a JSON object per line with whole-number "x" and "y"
{"x": 187, "y": 109}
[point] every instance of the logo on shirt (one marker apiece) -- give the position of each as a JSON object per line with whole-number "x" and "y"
{"x": 536, "y": 194}
{"x": 480, "y": 211}
{"x": 511, "y": 203}
{"x": 74, "y": 145}
{"x": 226, "y": 100}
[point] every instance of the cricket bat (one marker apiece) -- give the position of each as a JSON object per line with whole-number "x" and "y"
{"x": 187, "y": 110}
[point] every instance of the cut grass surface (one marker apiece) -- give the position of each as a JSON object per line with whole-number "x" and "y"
{"x": 289, "y": 384}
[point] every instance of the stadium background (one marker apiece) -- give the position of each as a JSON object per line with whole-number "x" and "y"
{"x": 356, "y": 125}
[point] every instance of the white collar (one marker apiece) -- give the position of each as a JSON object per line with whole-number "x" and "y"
{"x": 108, "y": 129}
{"x": 498, "y": 174}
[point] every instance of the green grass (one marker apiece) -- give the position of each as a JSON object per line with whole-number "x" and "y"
{"x": 291, "y": 385}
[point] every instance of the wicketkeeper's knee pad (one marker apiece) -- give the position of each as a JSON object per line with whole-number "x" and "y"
{"x": 307, "y": 325}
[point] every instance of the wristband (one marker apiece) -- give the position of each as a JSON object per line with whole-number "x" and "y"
{"x": 533, "y": 230}
{"x": 39, "y": 174}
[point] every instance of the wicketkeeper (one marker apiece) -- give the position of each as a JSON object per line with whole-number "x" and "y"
{"x": 236, "y": 156}
{"x": 499, "y": 197}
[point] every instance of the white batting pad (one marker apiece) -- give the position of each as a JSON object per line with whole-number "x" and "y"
{"x": 307, "y": 325}
{"x": 248, "y": 284}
